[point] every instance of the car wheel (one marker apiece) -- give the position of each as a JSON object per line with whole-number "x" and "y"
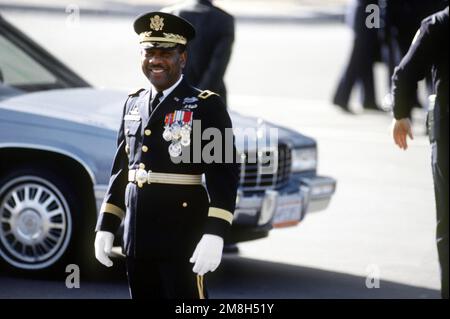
{"x": 36, "y": 219}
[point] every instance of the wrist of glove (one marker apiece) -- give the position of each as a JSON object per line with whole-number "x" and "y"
{"x": 207, "y": 255}
{"x": 103, "y": 245}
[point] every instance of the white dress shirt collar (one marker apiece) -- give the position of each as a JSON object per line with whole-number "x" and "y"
{"x": 166, "y": 92}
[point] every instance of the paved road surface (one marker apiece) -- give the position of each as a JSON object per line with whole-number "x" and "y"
{"x": 238, "y": 278}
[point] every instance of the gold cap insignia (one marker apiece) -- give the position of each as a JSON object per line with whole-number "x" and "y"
{"x": 156, "y": 23}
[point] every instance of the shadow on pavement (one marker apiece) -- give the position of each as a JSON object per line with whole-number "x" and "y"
{"x": 237, "y": 278}
{"x": 240, "y": 277}
{"x": 104, "y": 283}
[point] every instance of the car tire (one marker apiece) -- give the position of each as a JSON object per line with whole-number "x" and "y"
{"x": 40, "y": 221}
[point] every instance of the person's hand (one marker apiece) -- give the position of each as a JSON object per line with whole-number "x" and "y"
{"x": 207, "y": 254}
{"x": 103, "y": 245}
{"x": 400, "y": 130}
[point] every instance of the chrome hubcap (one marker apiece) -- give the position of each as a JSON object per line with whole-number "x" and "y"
{"x": 35, "y": 223}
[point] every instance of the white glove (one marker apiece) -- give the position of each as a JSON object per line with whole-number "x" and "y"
{"x": 208, "y": 254}
{"x": 103, "y": 245}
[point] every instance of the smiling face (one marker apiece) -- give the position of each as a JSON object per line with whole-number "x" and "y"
{"x": 163, "y": 67}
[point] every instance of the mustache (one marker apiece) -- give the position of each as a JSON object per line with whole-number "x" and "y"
{"x": 156, "y": 66}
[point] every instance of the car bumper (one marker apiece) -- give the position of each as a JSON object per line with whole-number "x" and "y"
{"x": 260, "y": 208}
{"x": 320, "y": 191}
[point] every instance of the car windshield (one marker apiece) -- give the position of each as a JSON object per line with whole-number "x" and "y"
{"x": 27, "y": 67}
{"x": 18, "y": 71}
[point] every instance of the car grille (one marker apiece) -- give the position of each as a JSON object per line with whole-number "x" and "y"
{"x": 256, "y": 174}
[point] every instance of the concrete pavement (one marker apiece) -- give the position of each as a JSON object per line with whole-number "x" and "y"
{"x": 266, "y": 11}
{"x": 237, "y": 278}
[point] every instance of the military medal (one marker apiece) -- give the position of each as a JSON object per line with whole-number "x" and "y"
{"x": 175, "y": 149}
{"x": 167, "y": 134}
{"x": 177, "y": 129}
{"x": 185, "y": 141}
{"x": 186, "y": 128}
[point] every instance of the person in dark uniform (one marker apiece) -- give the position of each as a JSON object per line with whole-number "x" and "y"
{"x": 397, "y": 32}
{"x": 359, "y": 69}
{"x": 209, "y": 53}
{"x": 428, "y": 54}
{"x": 170, "y": 220}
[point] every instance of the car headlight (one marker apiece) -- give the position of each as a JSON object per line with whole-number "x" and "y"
{"x": 304, "y": 159}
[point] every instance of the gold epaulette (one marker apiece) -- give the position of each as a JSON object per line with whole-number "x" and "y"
{"x": 206, "y": 94}
{"x": 135, "y": 92}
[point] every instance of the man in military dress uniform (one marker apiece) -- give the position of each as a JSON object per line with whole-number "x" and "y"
{"x": 170, "y": 220}
{"x": 428, "y": 53}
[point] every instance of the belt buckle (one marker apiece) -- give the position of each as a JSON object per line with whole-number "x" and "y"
{"x": 141, "y": 177}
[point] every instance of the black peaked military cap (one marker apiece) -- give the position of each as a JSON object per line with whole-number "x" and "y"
{"x": 162, "y": 30}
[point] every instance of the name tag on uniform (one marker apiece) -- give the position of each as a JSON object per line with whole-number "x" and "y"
{"x": 132, "y": 117}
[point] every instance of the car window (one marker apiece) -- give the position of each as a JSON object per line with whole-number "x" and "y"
{"x": 18, "y": 69}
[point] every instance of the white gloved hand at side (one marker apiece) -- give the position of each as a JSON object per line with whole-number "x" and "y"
{"x": 207, "y": 254}
{"x": 103, "y": 245}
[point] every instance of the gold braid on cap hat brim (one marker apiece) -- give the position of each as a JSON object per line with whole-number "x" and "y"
{"x": 168, "y": 37}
